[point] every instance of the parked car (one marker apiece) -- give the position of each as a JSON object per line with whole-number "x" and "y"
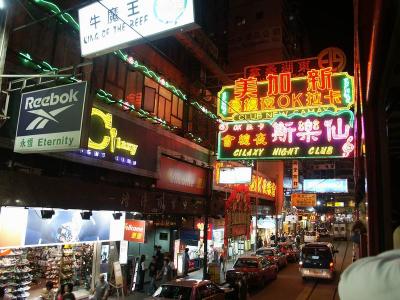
{"x": 186, "y": 289}
{"x": 256, "y": 269}
{"x": 317, "y": 261}
{"x": 290, "y": 250}
{"x": 339, "y": 231}
{"x": 310, "y": 237}
{"x": 273, "y": 254}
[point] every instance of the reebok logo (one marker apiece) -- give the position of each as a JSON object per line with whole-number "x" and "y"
{"x": 51, "y": 100}
{"x": 34, "y": 106}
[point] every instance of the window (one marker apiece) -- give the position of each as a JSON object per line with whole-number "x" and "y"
{"x": 246, "y": 263}
{"x": 162, "y": 103}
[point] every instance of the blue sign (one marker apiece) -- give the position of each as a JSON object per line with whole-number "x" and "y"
{"x": 325, "y": 185}
{"x": 51, "y": 119}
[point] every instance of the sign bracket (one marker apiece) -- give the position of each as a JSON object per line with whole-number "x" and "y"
{"x": 25, "y": 81}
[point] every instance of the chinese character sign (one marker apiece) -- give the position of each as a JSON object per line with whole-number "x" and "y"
{"x": 281, "y": 94}
{"x": 295, "y": 174}
{"x": 328, "y": 135}
{"x": 109, "y": 25}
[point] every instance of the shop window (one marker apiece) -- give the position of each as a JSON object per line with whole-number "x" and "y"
{"x": 162, "y": 103}
{"x": 149, "y": 97}
{"x": 163, "y": 236}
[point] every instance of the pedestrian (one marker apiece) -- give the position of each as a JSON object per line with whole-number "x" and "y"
{"x": 160, "y": 258}
{"x": 273, "y": 237}
{"x": 47, "y": 292}
{"x": 60, "y": 292}
{"x": 141, "y": 273}
{"x": 166, "y": 272}
{"x": 153, "y": 275}
{"x": 101, "y": 289}
{"x": 3, "y": 295}
{"x": 222, "y": 261}
{"x": 172, "y": 266}
{"x": 186, "y": 260}
{"x": 68, "y": 294}
{"x": 259, "y": 242}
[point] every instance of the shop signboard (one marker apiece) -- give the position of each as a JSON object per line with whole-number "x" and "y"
{"x": 329, "y": 57}
{"x": 335, "y": 204}
{"x": 135, "y": 231}
{"x": 326, "y": 135}
{"x": 237, "y": 214}
{"x": 295, "y": 174}
{"x": 235, "y": 175}
{"x": 107, "y": 137}
{"x": 123, "y": 252}
{"x": 119, "y": 281}
{"x": 337, "y": 185}
{"x": 109, "y": 25}
{"x": 51, "y": 119}
{"x": 200, "y": 226}
{"x": 181, "y": 177}
{"x": 259, "y": 184}
{"x": 304, "y": 200}
{"x": 64, "y": 227}
{"x": 321, "y": 90}
{"x": 116, "y": 140}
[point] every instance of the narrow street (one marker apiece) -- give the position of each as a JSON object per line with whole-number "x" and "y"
{"x": 290, "y": 285}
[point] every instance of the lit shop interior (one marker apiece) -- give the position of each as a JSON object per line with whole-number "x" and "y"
{"x": 61, "y": 246}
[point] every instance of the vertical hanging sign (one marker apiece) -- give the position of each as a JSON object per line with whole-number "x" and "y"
{"x": 295, "y": 174}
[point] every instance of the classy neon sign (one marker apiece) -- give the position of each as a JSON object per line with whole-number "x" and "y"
{"x": 111, "y": 139}
{"x": 281, "y": 95}
{"x": 327, "y": 135}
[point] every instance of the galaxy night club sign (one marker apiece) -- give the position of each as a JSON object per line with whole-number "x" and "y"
{"x": 325, "y": 135}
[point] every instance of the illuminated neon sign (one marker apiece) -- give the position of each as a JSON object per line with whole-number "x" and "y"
{"x": 259, "y": 184}
{"x": 326, "y": 135}
{"x": 110, "y": 139}
{"x": 281, "y": 95}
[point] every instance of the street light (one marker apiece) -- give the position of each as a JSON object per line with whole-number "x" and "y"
{"x": 2, "y": 4}
{"x": 318, "y": 202}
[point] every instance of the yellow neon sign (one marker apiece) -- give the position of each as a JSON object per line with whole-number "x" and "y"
{"x": 112, "y": 140}
{"x": 321, "y": 90}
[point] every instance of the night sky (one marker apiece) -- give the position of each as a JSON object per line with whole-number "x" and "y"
{"x": 329, "y": 24}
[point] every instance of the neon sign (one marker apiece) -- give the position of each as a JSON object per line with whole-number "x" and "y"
{"x": 327, "y": 135}
{"x": 259, "y": 184}
{"x": 282, "y": 95}
{"x": 111, "y": 139}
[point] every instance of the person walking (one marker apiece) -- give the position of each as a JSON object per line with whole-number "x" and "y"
{"x": 60, "y": 292}
{"x": 47, "y": 292}
{"x": 166, "y": 272}
{"x": 101, "y": 289}
{"x": 186, "y": 260}
{"x": 141, "y": 273}
{"x": 153, "y": 275}
{"x": 160, "y": 258}
{"x": 68, "y": 294}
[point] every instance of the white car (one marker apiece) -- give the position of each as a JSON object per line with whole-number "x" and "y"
{"x": 311, "y": 237}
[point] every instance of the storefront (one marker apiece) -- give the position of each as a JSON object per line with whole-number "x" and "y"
{"x": 61, "y": 246}
{"x": 266, "y": 227}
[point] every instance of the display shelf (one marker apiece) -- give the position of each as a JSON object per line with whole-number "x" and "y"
{"x": 15, "y": 274}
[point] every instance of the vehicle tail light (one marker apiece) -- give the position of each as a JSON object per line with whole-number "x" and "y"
{"x": 331, "y": 265}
